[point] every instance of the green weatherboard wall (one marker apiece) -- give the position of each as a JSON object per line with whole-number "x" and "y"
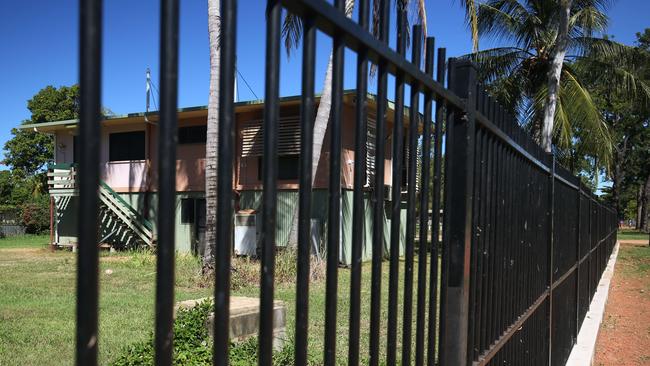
{"x": 288, "y": 200}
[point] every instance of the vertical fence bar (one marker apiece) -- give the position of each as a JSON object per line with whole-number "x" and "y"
{"x": 396, "y": 193}
{"x": 578, "y": 257}
{"x": 407, "y": 322}
{"x": 90, "y": 72}
{"x": 551, "y": 215}
{"x": 423, "y": 247}
{"x": 167, "y": 138}
{"x": 334, "y": 204}
{"x": 378, "y": 192}
{"x": 441, "y": 117}
{"x": 458, "y": 216}
{"x": 358, "y": 231}
{"x": 225, "y": 207}
{"x": 304, "y": 209}
{"x": 479, "y": 204}
{"x": 270, "y": 173}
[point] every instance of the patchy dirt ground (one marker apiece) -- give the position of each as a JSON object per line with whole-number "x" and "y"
{"x": 624, "y": 337}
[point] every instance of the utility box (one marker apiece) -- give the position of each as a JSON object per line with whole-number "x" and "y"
{"x": 246, "y": 233}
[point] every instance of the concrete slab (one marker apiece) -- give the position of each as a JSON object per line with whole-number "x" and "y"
{"x": 583, "y": 352}
{"x": 245, "y": 319}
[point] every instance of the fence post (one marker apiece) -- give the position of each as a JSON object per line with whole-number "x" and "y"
{"x": 551, "y": 214}
{"x": 577, "y": 270}
{"x": 458, "y": 216}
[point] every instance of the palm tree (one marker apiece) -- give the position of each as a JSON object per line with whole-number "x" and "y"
{"x": 536, "y": 76}
{"x": 212, "y": 138}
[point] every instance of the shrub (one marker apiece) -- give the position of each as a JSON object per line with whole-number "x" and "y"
{"x": 246, "y": 270}
{"x": 193, "y": 346}
{"x": 36, "y": 216}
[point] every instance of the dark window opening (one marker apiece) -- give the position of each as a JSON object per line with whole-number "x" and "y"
{"x": 187, "y": 211}
{"x": 75, "y": 149}
{"x": 288, "y": 167}
{"x": 126, "y": 146}
{"x": 192, "y": 135}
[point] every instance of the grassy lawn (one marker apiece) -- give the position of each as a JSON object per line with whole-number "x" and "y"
{"x": 37, "y": 306}
{"x": 636, "y": 260}
{"x": 627, "y": 234}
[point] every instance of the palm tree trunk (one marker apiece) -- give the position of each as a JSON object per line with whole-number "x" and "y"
{"x": 320, "y": 128}
{"x": 554, "y": 74}
{"x": 212, "y": 139}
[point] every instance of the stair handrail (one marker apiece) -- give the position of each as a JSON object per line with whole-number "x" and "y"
{"x": 127, "y": 206}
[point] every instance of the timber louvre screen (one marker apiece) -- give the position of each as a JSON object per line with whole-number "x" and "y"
{"x": 486, "y": 312}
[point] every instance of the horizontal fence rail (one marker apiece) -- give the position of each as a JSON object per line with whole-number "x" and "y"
{"x": 508, "y": 256}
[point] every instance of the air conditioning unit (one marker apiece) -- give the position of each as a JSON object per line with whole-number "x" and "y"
{"x": 246, "y": 233}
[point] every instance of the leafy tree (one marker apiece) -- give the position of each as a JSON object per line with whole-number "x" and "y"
{"x": 28, "y": 152}
{"x": 54, "y": 104}
{"x": 628, "y": 120}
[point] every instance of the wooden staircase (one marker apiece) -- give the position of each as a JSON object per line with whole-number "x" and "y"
{"x": 120, "y": 224}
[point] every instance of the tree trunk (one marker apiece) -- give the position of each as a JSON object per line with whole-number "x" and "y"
{"x": 645, "y": 208}
{"x": 639, "y": 207}
{"x": 212, "y": 139}
{"x": 554, "y": 74}
{"x": 618, "y": 172}
{"x": 320, "y": 128}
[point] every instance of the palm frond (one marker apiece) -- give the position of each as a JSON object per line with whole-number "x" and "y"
{"x": 511, "y": 21}
{"x": 291, "y": 32}
{"x": 585, "y": 115}
{"x": 495, "y": 63}
{"x": 576, "y": 117}
{"x": 594, "y": 47}
{"x": 471, "y": 16}
{"x": 587, "y": 20}
{"x": 619, "y": 66}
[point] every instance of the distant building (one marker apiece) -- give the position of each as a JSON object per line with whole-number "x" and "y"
{"x": 128, "y": 168}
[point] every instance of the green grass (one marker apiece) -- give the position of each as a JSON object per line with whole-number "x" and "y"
{"x": 25, "y": 241}
{"x": 632, "y": 235}
{"x": 37, "y": 305}
{"x": 635, "y": 260}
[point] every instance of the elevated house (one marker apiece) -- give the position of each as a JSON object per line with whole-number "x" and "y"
{"x": 128, "y": 190}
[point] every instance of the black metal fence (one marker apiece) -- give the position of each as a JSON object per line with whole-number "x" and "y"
{"x": 524, "y": 244}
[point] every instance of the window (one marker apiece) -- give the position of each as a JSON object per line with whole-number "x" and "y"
{"x": 187, "y": 211}
{"x": 193, "y": 211}
{"x": 192, "y": 135}
{"x": 252, "y": 133}
{"x": 126, "y": 146}
{"x": 288, "y": 167}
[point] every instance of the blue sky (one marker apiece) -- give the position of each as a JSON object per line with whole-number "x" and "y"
{"x": 38, "y": 44}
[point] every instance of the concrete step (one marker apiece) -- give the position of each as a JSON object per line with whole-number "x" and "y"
{"x": 245, "y": 318}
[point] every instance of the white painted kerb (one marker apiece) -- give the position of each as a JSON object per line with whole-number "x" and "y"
{"x": 583, "y": 352}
